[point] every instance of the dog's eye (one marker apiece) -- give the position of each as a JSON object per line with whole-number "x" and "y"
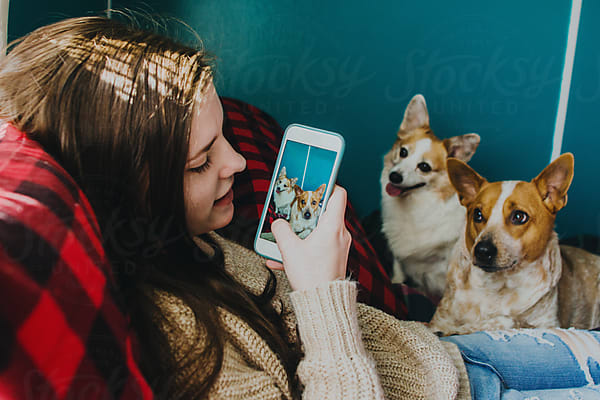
{"x": 477, "y": 215}
{"x": 423, "y": 166}
{"x": 403, "y": 152}
{"x": 518, "y": 217}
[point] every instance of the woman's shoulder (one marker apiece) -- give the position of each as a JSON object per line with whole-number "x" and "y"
{"x": 176, "y": 318}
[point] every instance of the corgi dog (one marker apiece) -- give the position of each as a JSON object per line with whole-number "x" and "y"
{"x": 284, "y": 194}
{"x": 305, "y": 210}
{"x": 508, "y": 270}
{"x": 420, "y": 212}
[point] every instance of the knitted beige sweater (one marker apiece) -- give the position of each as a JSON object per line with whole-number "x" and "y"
{"x": 351, "y": 351}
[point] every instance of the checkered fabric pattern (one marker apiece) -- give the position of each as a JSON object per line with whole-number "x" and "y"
{"x": 257, "y": 136}
{"x": 63, "y": 334}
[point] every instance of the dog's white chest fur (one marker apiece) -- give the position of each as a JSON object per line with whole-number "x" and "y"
{"x": 283, "y": 201}
{"x": 421, "y": 230}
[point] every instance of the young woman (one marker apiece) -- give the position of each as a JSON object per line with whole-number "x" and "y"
{"x": 135, "y": 119}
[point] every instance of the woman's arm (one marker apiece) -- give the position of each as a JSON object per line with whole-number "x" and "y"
{"x": 336, "y": 364}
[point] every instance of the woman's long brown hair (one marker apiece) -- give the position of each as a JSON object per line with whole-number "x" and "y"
{"x": 113, "y": 104}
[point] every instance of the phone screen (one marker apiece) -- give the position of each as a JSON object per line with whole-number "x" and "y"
{"x": 303, "y": 178}
{"x": 299, "y": 188}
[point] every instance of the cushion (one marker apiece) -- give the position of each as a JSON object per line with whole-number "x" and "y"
{"x": 63, "y": 332}
{"x": 257, "y": 136}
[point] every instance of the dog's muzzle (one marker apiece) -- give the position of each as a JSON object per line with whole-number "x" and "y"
{"x": 395, "y": 178}
{"x": 485, "y": 253}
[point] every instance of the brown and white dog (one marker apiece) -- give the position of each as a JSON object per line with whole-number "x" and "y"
{"x": 508, "y": 270}
{"x": 305, "y": 210}
{"x": 284, "y": 194}
{"x": 421, "y": 214}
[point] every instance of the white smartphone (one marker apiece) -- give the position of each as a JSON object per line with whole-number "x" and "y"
{"x": 303, "y": 178}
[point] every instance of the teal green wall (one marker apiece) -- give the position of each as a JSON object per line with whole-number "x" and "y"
{"x": 488, "y": 67}
{"x": 25, "y": 16}
{"x": 493, "y": 68}
{"x": 582, "y": 130}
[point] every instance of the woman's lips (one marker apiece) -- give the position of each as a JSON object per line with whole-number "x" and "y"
{"x": 226, "y": 199}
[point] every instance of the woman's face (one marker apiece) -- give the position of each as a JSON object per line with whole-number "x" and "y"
{"x": 211, "y": 164}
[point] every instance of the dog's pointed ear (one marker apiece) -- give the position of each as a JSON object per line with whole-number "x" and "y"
{"x": 554, "y": 181}
{"x": 462, "y": 147}
{"x": 465, "y": 180}
{"x": 321, "y": 189}
{"x": 415, "y": 115}
{"x": 282, "y": 172}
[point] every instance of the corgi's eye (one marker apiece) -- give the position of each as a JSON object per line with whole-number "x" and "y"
{"x": 403, "y": 152}
{"x": 477, "y": 215}
{"x": 518, "y": 217}
{"x": 424, "y": 167}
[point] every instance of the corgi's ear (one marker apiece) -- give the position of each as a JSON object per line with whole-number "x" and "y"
{"x": 554, "y": 181}
{"x": 462, "y": 147}
{"x": 293, "y": 181}
{"x": 465, "y": 180}
{"x": 282, "y": 172}
{"x": 321, "y": 189}
{"x": 415, "y": 115}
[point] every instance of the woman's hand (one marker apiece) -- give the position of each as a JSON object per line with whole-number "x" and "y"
{"x": 321, "y": 257}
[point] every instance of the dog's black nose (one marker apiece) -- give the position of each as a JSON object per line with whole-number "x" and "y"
{"x": 395, "y": 177}
{"x": 307, "y": 215}
{"x": 485, "y": 252}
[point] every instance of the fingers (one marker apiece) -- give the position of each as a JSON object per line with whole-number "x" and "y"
{"x": 282, "y": 231}
{"x": 336, "y": 206}
{"x": 347, "y": 237}
{"x": 274, "y": 265}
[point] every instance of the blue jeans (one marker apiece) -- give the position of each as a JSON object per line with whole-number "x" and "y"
{"x": 540, "y": 364}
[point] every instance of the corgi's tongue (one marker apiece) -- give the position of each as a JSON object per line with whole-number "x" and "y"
{"x": 393, "y": 190}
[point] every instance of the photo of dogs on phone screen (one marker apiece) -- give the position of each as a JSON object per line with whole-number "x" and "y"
{"x": 299, "y": 188}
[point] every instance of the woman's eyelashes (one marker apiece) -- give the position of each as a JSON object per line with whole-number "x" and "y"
{"x": 202, "y": 167}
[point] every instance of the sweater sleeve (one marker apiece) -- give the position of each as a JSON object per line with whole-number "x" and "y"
{"x": 336, "y": 364}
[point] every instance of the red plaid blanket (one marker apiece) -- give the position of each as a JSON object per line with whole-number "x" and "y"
{"x": 63, "y": 334}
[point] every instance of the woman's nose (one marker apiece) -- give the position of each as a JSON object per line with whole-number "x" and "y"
{"x": 235, "y": 163}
